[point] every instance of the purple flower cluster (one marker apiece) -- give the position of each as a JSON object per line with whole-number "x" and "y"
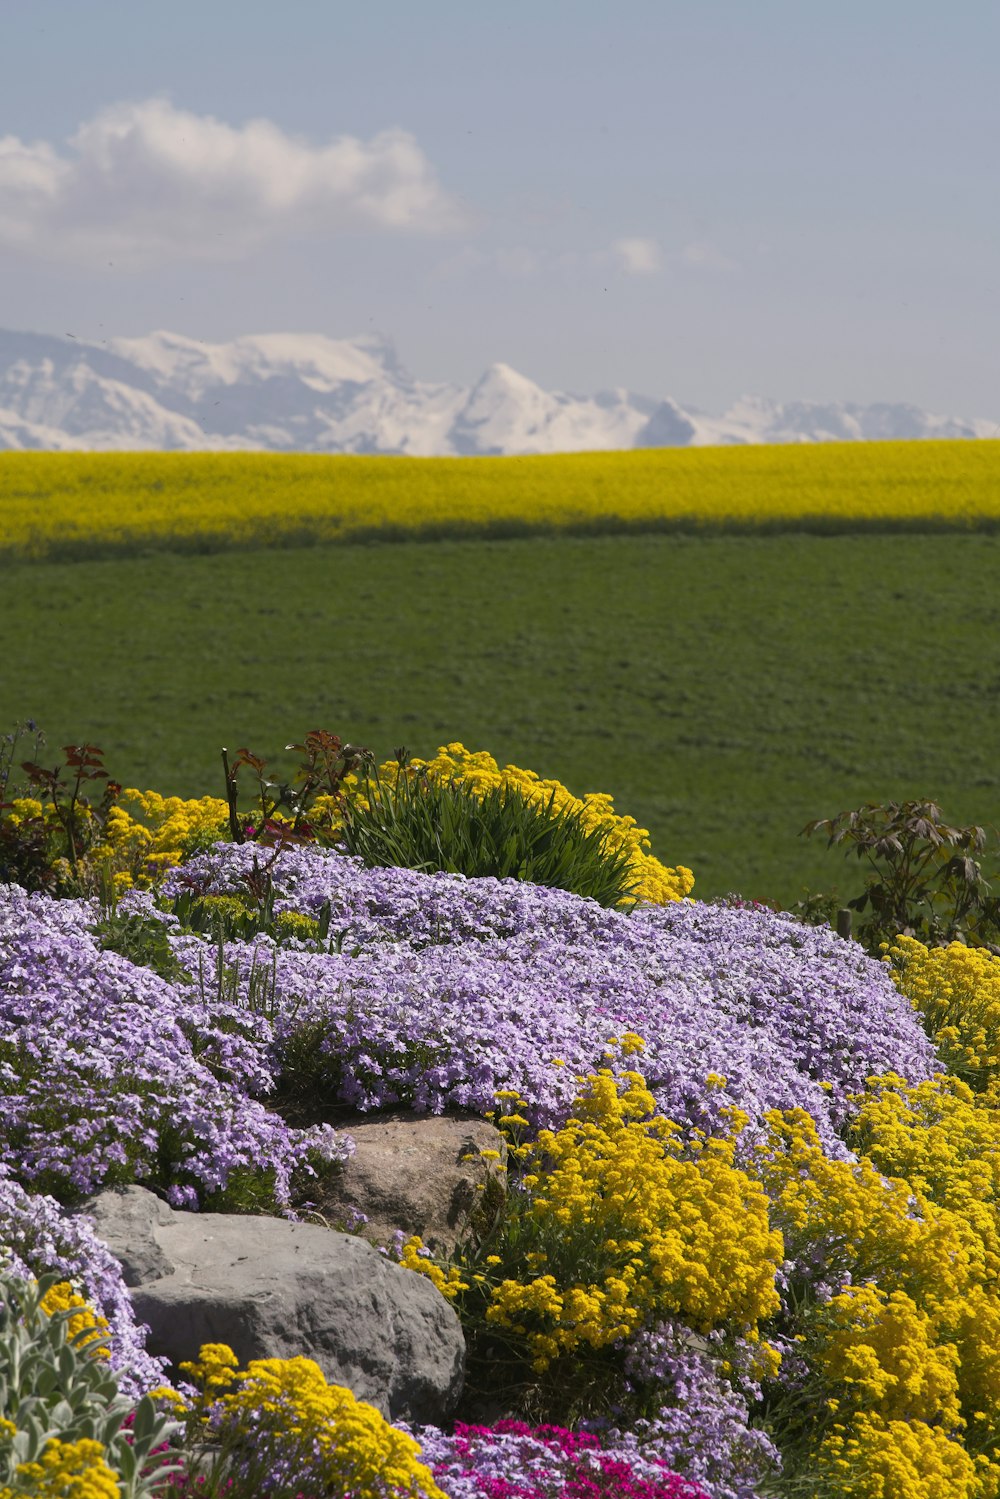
{"x": 370, "y": 908}
{"x": 36, "y": 1237}
{"x": 445, "y": 989}
{"x": 109, "y": 1074}
{"x": 704, "y": 1430}
{"x": 513, "y": 1461}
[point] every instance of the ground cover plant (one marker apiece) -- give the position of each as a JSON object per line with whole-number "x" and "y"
{"x": 724, "y": 690}
{"x": 79, "y": 505}
{"x": 750, "y": 1242}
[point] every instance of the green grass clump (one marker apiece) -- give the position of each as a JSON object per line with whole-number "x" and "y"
{"x": 418, "y": 822}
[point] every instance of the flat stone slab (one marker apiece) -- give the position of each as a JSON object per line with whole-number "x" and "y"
{"x": 274, "y": 1289}
{"x": 422, "y": 1173}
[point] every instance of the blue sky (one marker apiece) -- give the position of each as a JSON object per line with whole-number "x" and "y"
{"x": 697, "y": 198}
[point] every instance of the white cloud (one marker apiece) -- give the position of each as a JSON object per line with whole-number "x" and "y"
{"x": 705, "y": 257}
{"x": 637, "y": 257}
{"x": 146, "y": 182}
{"x": 516, "y": 262}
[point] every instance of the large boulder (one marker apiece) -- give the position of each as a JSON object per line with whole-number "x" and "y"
{"x": 425, "y": 1174}
{"x": 274, "y": 1289}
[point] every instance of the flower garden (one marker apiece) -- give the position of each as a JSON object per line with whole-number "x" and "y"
{"x": 749, "y": 1244}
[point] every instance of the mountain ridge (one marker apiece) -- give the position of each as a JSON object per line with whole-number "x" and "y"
{"x": 288, "y": 392}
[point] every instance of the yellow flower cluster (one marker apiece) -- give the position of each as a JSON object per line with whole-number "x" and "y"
{"x": 61, "y": 1298}
{"x": 944, "y": 1140}
{"x": 865, "y": 1218}
{"x": 449, "y": 1282}
{"x": 67, "y": 1470}
{"x": 23, "y": 809}
{"x": 134, "y": 850}
{"x": 917, "y": 1335}
{"x": 73, "y": 504}
{"x": 957, "y": 991}
{"x": 169, "y": 830}
{"x": 339, "y": 1444}
{"x": 92, "y": 853}
{"x": 480, "y": 772}
{"x": 627, "y": 1224}
{"x": 883, "y": 1349}
{"x": 877, "y": 1458}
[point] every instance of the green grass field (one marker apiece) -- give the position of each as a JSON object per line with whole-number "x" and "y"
{"x": 725, "y": 689}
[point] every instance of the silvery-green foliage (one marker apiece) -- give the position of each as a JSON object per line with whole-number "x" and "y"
{"x": 54, "y": 1386}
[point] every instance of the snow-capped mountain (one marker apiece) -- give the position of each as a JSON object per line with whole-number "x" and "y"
{"x": 291, "y": 392}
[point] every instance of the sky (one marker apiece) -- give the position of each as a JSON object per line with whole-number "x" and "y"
{"x": 690, "y": 198}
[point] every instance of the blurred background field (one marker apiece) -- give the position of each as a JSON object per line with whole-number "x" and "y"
{"x": 725, "y": 688}
{"x": 87, "y": 505}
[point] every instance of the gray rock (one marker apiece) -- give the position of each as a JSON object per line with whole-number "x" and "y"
{"x": 126, "y": 1220}
{"x": 274, "y": 1289}
{"x": 422, "y": 1173}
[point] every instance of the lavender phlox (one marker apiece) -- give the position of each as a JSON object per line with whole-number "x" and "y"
{"x": 702, "y": 1427}
{"x": 106, "y": 1062}
{"x": 37, "y": 1236}
{"x": 442, "y": 990}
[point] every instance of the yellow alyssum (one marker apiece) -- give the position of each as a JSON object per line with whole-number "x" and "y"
{"x": 627, "y": 1224}
{"x": 883, "y": 1350}
{"x": 23, "y": 809}
{"x": 879, "y": 1458}
{"x": 169, "y": 830}
{"x": 479, "y": 771}
{"x": 62, "y": 1297}
{"x": 944, "y": 1140}
{"x": 931, "y": 1262}
{"x": 449, "y": 1282}
{"x": 66, "y": 1470}
{"x": 135, "y": 848}
{"x": 214, "y": 1369}
{"x": 320, "y": 1430}
{"x": 874, "y": 1227}
{"x": 957, "y": 991}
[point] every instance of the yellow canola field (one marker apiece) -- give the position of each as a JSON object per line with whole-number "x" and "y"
{"x": 91, "y": 504}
